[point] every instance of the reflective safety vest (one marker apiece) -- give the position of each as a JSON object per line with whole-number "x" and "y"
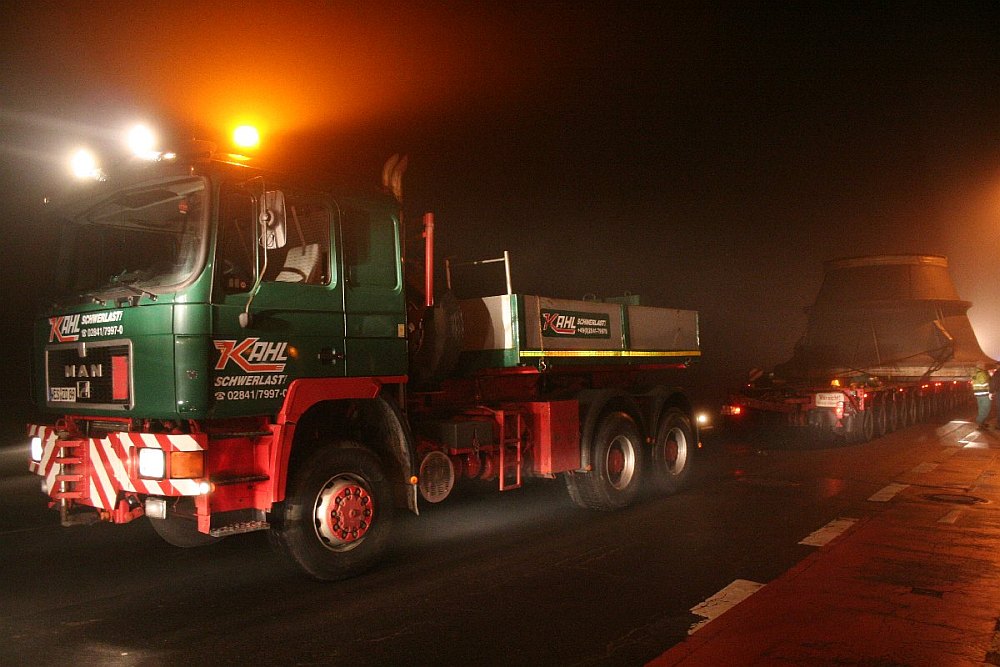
{"x": 981, "y": 383}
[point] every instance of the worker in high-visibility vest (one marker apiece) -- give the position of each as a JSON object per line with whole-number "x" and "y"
{"x": 981, "y": 390}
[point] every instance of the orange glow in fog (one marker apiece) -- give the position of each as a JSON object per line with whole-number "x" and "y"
{"x": 293, "y": 68}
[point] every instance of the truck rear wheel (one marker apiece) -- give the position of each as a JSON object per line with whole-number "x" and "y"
{"x": 673, "y": 451}
{"x": 336, "y": 519}
{"x": 616, "y": 458}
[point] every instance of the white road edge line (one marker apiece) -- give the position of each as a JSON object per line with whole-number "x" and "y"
{"x": 927, "y": 466}
{"x": 827, "y": 533}
{"x": 723, "y": 601}
{"x": 950, "y": 517}
{"x": 887, "y": 493}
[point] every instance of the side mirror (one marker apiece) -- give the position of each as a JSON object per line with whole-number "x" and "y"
{"x": 272, "y": 220}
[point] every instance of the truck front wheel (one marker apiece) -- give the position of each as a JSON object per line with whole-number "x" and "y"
{"x": 336, "y": 519}
{"x": 616, "y": 459}
{"x": 673, "y": 452}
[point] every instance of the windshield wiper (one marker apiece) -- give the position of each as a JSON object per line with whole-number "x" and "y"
{"x": 129, "y": 285}
{"x": 138, "y": 291}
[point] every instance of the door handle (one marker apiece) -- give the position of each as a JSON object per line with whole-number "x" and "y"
{"x": 329, "y": 356}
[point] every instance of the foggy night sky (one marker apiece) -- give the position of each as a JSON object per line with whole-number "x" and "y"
{"x": 707, "y": 157}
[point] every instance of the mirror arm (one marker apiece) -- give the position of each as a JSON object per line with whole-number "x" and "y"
{"x": 246, "y": 318}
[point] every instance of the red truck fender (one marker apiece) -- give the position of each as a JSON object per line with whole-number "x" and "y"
{"x": 393, "y": 442}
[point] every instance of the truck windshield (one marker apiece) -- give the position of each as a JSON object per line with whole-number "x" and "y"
{"x": 150, "y": 238}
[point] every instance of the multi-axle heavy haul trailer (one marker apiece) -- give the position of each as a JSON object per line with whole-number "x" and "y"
{"x": 233, "y": 350}
{"x": 888, "y": 344}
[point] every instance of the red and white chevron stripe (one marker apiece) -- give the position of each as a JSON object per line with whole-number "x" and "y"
{"x": 111, "y": 464}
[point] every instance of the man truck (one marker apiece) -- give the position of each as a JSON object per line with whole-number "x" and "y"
{"x": 232, "y": 350}
{"x": 888, "y": 344}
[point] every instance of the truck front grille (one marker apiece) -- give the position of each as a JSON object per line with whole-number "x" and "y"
{"x": 94, "y": 375}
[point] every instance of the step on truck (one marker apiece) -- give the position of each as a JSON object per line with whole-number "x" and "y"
{"x": 232, "y": 350}
{"x": 888, "y": 344}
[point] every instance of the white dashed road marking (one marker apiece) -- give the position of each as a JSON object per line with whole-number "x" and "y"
{"x": 723, "y": 601}
{"x": 950, "y": 517}
{"x": 887, "y": 493}
{"x": 828, "y": 532}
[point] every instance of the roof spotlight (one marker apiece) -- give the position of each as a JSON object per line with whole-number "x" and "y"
{"x": 142, "y": 142}
{"x": 84, "y": 165}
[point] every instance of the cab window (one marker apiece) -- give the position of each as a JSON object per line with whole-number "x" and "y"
{"x": 305, "y": 257}
{"x": 370, "y": 249}
{"x": 235, "y": 252}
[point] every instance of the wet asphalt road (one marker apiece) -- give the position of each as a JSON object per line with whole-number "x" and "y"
{"x": 522, "y": 578}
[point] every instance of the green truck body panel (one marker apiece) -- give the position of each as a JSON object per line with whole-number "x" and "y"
{"x": 517, "y": 330}
{"x": 189, "y": 358}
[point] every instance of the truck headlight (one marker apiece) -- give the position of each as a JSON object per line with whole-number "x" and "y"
{"x": 36, "y": 448}
{"x": 152, "y": 463}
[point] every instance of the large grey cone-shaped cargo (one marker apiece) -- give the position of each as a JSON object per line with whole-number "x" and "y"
{"x": 890, "y": 316}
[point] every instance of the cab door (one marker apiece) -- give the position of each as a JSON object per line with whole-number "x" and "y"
{"x": 375, "y": 342}
{"x": 296, "y": 313}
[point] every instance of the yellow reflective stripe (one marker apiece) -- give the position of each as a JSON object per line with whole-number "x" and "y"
{"x": 608, "y": 353}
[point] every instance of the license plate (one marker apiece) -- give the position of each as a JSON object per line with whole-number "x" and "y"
{"x": 62, "y": 394}
{"x": 830, "y": 399}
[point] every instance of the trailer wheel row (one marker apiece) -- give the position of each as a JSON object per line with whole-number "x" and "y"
{"x": 895, "y": 410}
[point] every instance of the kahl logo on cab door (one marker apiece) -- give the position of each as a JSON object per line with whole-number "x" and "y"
{"x": 65, "y": 328}
{"x": 252, "y": 355}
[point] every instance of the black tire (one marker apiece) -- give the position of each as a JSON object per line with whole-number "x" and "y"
{"x": 318, "y": 538}
{"x": 672, "y": 457}
{"x": 881, "y": 418}
{"x": 437, "y": 349}
{"x": 909, "y": 406}
{"x": 862, "y": 427}
{"x": 867, "y": 426}
{"x": 182, "y": 531}
{"x": 616, "y": 460}
{"x": 892, "y": 410}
